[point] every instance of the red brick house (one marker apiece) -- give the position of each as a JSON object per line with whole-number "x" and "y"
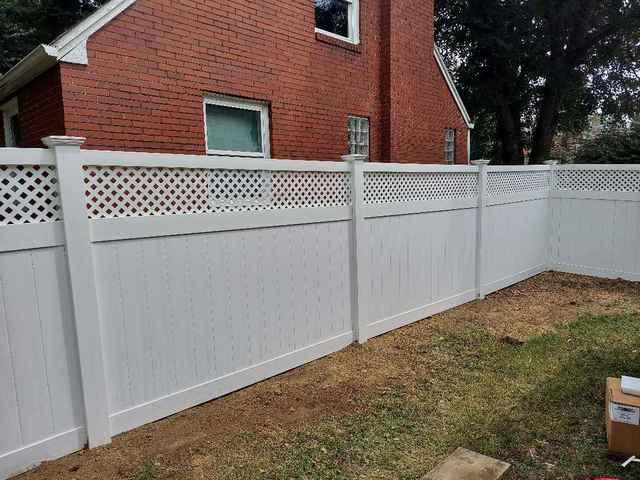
{"x": 300, "y": 79}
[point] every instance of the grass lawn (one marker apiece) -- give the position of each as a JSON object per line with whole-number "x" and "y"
{"x": 519, "y": 376}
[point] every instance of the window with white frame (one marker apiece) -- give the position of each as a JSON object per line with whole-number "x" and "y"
{"x": 450, "y": 146}
{"x": 11, "y": 123}
{"x": 236, "y": 127}
{"x": 358, "y": 131}
{"x": 339, "y": 18}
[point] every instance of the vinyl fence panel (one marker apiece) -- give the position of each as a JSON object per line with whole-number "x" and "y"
{"x": 596, "y": 220}
{"x": 134, "y": 286}
{"x": 516, "y": 243}
{"x": 41, "y": 400}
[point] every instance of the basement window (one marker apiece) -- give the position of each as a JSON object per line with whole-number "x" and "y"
{"x": 11, "y": 123}
{"x": 236, "y": 127}
{"x": 339, "y": 19}
{"x": 450, "y": 146}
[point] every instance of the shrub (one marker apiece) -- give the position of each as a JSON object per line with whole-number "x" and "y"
{"x": 612, "y": 146}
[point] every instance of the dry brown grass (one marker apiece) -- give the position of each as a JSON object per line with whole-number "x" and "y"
{"x": 383, "y": 410}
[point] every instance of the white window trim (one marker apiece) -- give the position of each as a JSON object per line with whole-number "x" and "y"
{"x": 9, "y": 109}
{"x": 354, "y": 24}
{"x": 240, "y": 103}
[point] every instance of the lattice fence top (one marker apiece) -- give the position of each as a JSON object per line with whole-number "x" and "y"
{"x": 29, "y": 194}
{"x": 593, "y": 180}
{"x": 512, "y": 182}
{"x": 398, "y": 187}
{"x": 114, "y": 192}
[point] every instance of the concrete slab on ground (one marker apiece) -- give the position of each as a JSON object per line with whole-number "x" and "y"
{"x": 464, "y": 464}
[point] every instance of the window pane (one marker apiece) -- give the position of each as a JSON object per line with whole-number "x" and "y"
{"x": 358, "y": 129}
{"x": 333, "y": 16}
{"x": 233, "y": 129}
{"x": 449, "y": 145}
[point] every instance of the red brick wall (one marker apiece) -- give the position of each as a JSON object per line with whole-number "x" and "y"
{"x": 150, "y": 68}
{"x": 41, "y": 109}
{"x": 422, "y": 104}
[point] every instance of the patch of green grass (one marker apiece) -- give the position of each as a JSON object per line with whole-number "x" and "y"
{"x": 538, "y": 406}
{"x": 145, "y": 472}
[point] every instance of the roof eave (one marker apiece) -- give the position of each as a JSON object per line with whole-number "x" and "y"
{"x": 452, "y": 88}
{"x": 41, "y": 59}
{"x": 70, "y": 47}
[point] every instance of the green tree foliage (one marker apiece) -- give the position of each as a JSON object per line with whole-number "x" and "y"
{"x": 616, "y": 145}
{"x": 528, "y": 68}
{"x": 24, "y": 24}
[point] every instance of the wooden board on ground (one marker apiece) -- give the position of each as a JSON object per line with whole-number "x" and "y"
{"x": 464, "y": 464}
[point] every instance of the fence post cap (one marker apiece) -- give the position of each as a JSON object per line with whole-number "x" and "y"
{"x": 355, "y": 158}
{"x": 480, "y": 161}
{"x": 63, "y": 141}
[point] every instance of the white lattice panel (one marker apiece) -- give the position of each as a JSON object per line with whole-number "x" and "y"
{"x": 114, "y": 192}
{"x": 29, "y": 194}
{"x": 513, "y": 182}
{"x": 598, "y": 180}
{"x": 398, "y": 187}
{"x": 134, "y": 191}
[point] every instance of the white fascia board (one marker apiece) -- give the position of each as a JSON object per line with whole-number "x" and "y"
{"x": 70, "y": 47}
{"x": 452, "y": 87}
{"x": 76, "y": 37}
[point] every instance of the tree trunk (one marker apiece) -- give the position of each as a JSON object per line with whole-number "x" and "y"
{"x": 547, "y": 126}
{"x": 509, "y": 134}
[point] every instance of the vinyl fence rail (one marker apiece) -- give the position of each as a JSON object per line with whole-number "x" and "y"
{"x": 134, "y": 286}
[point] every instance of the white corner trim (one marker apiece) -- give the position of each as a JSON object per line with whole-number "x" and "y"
{"x": 70, "y": 47}
{"x": 452, "y": 87}
{"x": 77, "y": 55}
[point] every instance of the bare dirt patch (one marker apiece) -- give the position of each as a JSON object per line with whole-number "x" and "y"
{"x": 238, "y": 436}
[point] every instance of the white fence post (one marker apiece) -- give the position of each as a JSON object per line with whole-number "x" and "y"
{"x": 480, "y": 230}
{"x": 83, "y": 286}
{"x": 359, "y": 274}
{"x": 551, "y": 230}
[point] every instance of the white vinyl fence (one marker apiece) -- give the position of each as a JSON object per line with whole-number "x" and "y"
{"x": 133, "y": 286}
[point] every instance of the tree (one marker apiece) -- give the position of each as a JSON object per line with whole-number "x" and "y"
{"x": 615, "y": 145}
{"x": 532, "y": 67}
{"x": 27, "y": 23}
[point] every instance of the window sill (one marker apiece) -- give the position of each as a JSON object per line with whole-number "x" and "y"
{"x": 336, "y": 42}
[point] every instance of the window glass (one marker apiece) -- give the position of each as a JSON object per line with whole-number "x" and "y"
{"x": 233, "y": 129}
{"x": 333, "y": 16}
{"x": 450, "y": 145}
{"x": 358, "y": 128}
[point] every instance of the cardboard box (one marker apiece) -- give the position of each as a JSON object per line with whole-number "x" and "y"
{"x": 623, "y": 420}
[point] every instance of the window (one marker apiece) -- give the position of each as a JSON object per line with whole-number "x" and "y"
{"x": 11, "y": 123}
{"x": 450, "y": 146}
{"x": 339, "y": 18}
{"x": 236, "y": 127}
{"x": 358, "y": 128}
